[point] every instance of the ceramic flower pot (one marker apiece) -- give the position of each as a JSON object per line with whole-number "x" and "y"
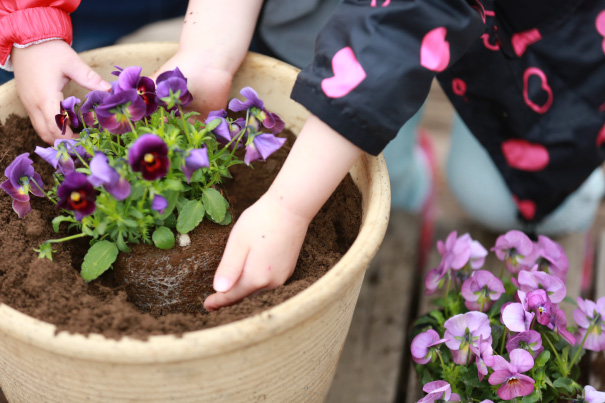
{"x": 285, "y": 354}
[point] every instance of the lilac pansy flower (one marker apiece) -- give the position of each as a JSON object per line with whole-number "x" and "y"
{"x": 93, "y": 100}
{"x": 222, "y": 132}
{"x": 118, "y": 110}
{"x": 130, "y": 79}
{"x": 481, "y": 290}
{"x": 438, "y": 391}
{"x": 21, "y": 181}
{"x": 529, "y": 340}
{"x": 159, "y": 203}
{"x": 102, "y": 174}
{"x": 424, "y": 344}
{"x": 68, "y": 116}
{"x": 516, "y": 250}
{"x": 534, "y": 280}
{"x": 552, "y": 258}
{"x": 538, "y": 302}
{"x": 558, "y": 323}
{"x": 483, "y": 356}
{"x": 257, "y": 108}
{"x": 515, "y": 317}
{"x": 64, "y": 155}
{"x": 591, "y": 395}
{"x": 197, "y": 158}
{"x": 589, "y": 317}
{"x": 262, "y": 146}
{"x": 172, "y": 90}
{"x": 77, "y": 194}
{"x": 464, "y": 330}
{"x": 510, "y": 375}
{"x": 455, "y": 253}
{"x": 149, "y": 156}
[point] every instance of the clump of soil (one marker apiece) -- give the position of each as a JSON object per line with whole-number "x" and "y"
{"x": 54, "y": 291}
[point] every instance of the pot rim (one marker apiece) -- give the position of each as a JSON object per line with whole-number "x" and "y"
{"x": 241, "y": 333}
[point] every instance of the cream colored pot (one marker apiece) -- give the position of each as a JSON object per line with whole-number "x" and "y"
{"x": 285, "y": 354}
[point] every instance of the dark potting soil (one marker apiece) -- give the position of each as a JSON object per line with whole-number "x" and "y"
{"x": 54, "y": 291}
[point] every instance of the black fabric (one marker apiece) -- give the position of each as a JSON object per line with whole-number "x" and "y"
{"x": 545, "y": 94}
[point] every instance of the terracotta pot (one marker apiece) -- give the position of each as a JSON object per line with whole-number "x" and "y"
{"x": 285, "y": 354}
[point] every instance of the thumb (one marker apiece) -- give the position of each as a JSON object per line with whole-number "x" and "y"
{"x": 83, "y": 75}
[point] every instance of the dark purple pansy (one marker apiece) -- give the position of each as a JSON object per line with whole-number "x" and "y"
{"x": 149, "y": 156}
{"x": 102, "y": 174}
{"x": 64, "y": 155}
{"x": 197, "y": 158}
{"x": 130, "y": 79}
{"x": 115, "y": 111}
{"x": 68, "y": 115}
{"x": 22, "y": 179}
{"x": 172, "y": 89}
{"x": 257, "y": 108}
{"x": 159, "y": 203}
{"x": 93, "y": 99}
{"x": 77, "y": 194}
{"x": 262, "y": 147}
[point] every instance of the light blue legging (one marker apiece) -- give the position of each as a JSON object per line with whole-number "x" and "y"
{"x": 477, "y": 184}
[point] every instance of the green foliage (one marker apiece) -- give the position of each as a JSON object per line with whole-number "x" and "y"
{"x": 163, "y": 238}
{"x": 99, "y": 258}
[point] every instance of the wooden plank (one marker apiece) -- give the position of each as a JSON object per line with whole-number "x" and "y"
{"x": 368, "y": 371}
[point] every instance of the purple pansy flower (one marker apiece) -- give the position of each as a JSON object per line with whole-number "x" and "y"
{"x": 21, "y": 180}
{"x": 439, "y": 391}
{"x": 483, "y": 356}
{"x": 510, "y": 375}
{"x": 68, "y": 114}
{"x": 149, "y": 156}
{"x": 558, "y": 323}
{"x": 516, "y": 250}
{"x": 197, "y": 158}
{"x": 423, "y": 346}
{"x": 257, "y": 108}
{"x": 64, "y": 155}
{"x": 538, "y": 302}
{"x": 481, "y": 290}
{"x": 552, "y": 258}
{"x": 130, "y": 79}
{"x": 262, "y": 146}
{"x": 589, "y": 317}
{"x": 159, "y": 203}
{"x": 118, "y": 108}
{"x": 515, "y": 317}
{"x": 101, "y": 173}
{"x": 77, "y": 194}
{"x": 222, "y": 132}
{"x": 534, "y": 280}
{"x": 455, "y": 253}
{"x": 89, "y": 114}
{"x": 591, "y": 395}
{"x": 464, "y": 330}
{"x": 172, "y": 90}
{"x": 529, "y": 340}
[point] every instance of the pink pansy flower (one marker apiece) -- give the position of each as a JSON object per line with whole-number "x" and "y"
{"x": 439, "y": 391}
{"x": 515, "y": 317}
{"x": 533, "y": 280}
{"x": 551, "y": 257}
{"x": 589, "y": 317}
{"x": 478, "y": 252}
{"x": 481, "y": 290}
{"x": 538, "y": 303}
{"x": 483, "y": 356}
{"x": 591, "y": 395}
{"x": 510, "y": 375}
{"x": 423, "y": 346}
{"x": 455, "y": 253}
{"x": 558, "y": 323}
{"x": 464, "y": 330}
{"x": 530, "y": 341}
{"x": 516, "y": 250}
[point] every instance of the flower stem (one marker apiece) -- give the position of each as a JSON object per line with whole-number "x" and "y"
{"x": 67, "y": 238}
{"x": 447, "y": 292}
{"x": 503, "y": 341}
{"x": 46, "y": 194}
{"x": 575, "y": 357}
{"x": 545, "y": 337}
{"x": 185, "y": 127}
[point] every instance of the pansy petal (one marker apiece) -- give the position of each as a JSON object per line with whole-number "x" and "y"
{"x": 21, "y": 207}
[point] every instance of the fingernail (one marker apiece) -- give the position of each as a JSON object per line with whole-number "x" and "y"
{"x": 221, "y": 284}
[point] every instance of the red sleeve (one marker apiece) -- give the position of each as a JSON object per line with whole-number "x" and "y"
{"x": 25, "y": 22}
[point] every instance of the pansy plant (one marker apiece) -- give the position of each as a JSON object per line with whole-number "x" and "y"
{"x": 142, "y": 168}
{"x": 499, "y": 333}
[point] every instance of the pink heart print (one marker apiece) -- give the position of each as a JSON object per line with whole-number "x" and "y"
{"x": 348, "y": 74}
{"x": 435, "y": 50}
{"x": 526, "y": 156}
{"x": 531, "y": 71}
{"x": 526, "y": 207}
{"x": 600, "y": 24}
{"x": 386, "y": 3}
{"x": 601, "y": 136}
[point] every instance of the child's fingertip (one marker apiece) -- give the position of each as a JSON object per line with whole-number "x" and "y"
{"x": 221, "y": 284}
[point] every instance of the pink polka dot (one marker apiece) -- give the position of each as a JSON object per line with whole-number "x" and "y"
{"x": 459, "y": 86}
{"x": 348, "y": 74}
{"x": 527, "y": 208}
{"x": 435, "y": 50}
{"x": 522, "y": 40}
{"x": 600, "y": 24}
{"x": 526, "y": 156}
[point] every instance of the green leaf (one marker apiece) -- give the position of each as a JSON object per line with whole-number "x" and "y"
{"x": 173, "y": 184}
{"x": 215, "y": 204}
{"x": 163, "y": 238}
{"x": 98, "y": 259}
{"x": 226, "y": 220}
{"x": 190, "y": 216}
{"x": 570, "y": 301}
{"x": 172, "y": 198}
{"x": 58, "y": 220}
{"x": 567, "y": 384}
{"x": 542, "y": 358}
{"x": 213, "y": 124}
{"x": 438, "y": 315}
{"x": 533, "y": 398}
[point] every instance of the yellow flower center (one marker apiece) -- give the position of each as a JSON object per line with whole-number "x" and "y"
{"x": 75, "y": 196}
{"x": 149, "y": 158}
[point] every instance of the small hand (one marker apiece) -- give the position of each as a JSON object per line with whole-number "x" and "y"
{"x": 41, "y": 72}
{"x": 209, "y": 86}
{"x": 261, "y": 252}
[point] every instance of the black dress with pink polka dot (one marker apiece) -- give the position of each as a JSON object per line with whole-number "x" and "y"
{"x": 527, "y": 78}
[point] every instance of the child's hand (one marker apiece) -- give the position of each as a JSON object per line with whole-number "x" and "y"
{"x": 209, "y": 86}
{"x": 261, "y": 252}
{"x": 41, "y": 72}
